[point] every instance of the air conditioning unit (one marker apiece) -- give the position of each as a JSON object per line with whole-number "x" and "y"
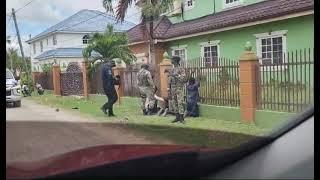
{"x": 176, "y": 8}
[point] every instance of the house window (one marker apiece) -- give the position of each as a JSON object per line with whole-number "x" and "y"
{"x": 41, "y": 46}
{"x": 271, "y": 47}
{"x": 271, "y": 50}
{"x": 47, "y": 42}
{"x": 54, "y": 40}
{"x": 34, "y": 48}
{"x": 181, "y": 53}
{"x": 85, "y": 39}
{"x": 210, "y": 54}
{"x": 189, "y": 4}
{"x": 231, "y": 3}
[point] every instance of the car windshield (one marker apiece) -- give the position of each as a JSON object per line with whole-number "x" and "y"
{"x": 9, "y": 75}
{"x": 212, "y": 74}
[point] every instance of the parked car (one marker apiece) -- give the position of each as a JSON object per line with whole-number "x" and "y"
{"x": 13, "y": 90}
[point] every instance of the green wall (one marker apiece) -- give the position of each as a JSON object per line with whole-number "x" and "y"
{"x": 204, "y": 7}
{"x": 300, "y": 35}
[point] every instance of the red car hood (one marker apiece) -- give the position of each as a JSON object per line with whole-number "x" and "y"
{"x": 90, "y": 157}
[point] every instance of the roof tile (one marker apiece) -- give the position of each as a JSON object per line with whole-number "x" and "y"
{"x": 87, "y": 21}
{"x": 254, "y": 12}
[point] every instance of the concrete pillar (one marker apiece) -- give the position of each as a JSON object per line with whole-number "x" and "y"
{"x": 164, "y": 65}
{"x": 118, "y": 70}
{"x": 85, "y": 80}
{"x": 56, "y": 79}
{"x": 249, "y": 69}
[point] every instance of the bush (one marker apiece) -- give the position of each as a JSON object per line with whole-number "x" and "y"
{"x": 27, "y": 80}
{"x": 46, "y": 68}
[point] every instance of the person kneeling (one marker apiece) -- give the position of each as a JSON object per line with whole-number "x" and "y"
{"x": 192, "y": 98}
{"x": 39, "y": 89}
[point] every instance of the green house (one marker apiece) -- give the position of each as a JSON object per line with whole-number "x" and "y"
{"x": 211, "y": 33}
{"x": 220, "y": 28}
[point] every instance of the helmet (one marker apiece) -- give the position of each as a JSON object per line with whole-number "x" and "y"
{"x": 175, "y": 60}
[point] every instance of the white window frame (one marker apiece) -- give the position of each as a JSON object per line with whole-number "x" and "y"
{"x": 85, "y": 39}
{"x": 34, "y": 46}
{"x": 41, "y": 46}
{"x": 47, "y": 42}
{"x": 273, "y": 34}
{"x": 186, "y": 7}
{"x": 54, "y": 40}
{"x": 234, "y": 4}
{"x": 208, "y": 44}
{"x": 181, "y": 47}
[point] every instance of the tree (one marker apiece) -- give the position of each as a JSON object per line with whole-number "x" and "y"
{"x": 150, "y": 11}
{"x": 17, "y": 62}
{"x": 107, "y": 46}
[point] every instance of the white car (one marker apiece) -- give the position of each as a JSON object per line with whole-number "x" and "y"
{"x": 13, "y": 89}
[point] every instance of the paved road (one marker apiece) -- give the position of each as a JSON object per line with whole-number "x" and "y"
{"x": 35, "y": 131}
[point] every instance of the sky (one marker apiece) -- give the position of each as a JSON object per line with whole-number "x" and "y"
{"x": 39, "y": 15}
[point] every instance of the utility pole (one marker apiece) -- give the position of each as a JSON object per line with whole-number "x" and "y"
{"x": 19, "y": 39}
{"x": 11, "y": 64}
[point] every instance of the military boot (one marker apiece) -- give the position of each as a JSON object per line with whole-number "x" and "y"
{"x": 104, "y": 110}
{"x": 111, "y": 112}
{"x": 177, "y": 118}
{"x": 182, "y": 118}
{"x": 144, "y": 112}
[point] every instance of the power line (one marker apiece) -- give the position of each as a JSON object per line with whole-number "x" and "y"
{"x": 24, "y": 6}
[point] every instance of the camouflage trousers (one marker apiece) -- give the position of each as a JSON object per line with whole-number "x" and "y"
{"x": 147, "y": 98}
{"x": 177, "y": 100}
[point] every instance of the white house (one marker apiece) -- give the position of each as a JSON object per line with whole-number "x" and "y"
{"x": 63, "y": 43}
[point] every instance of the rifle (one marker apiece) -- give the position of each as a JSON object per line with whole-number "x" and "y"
{"x": 170, "y": 75}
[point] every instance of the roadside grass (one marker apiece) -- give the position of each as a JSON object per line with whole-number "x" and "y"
{"x": 205, "y": 131}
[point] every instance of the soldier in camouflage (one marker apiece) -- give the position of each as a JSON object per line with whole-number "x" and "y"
{"x": 176, "y": 81}
{"x": 146, "y": 89}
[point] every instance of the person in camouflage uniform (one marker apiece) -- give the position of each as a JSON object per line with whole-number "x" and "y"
{"x": 146, "y": 89}
{"x": 176, "y": 81}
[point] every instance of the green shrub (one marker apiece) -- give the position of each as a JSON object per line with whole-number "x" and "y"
{"x": 26, "y": 79}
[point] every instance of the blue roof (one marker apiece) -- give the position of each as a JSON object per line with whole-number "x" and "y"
{"x": 63, "y": 52}
{"x": 87, "y": 21}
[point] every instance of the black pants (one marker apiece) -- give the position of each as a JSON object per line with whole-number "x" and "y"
{"x": 112, "y": 96}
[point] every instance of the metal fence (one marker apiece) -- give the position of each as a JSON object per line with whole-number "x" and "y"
{"x": 287, "y": 86}
{"x": 219, "y": 82}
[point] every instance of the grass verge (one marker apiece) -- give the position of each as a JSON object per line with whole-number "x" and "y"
{"x": 197, "y": 131}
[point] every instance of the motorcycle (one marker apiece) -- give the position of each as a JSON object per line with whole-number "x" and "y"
{"x": 25, "y": 91}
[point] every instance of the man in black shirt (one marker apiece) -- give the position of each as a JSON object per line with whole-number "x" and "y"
{"x": 108, "y": 81}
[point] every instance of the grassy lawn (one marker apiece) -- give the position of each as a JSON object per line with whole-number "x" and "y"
{"x": 197, "y": 131}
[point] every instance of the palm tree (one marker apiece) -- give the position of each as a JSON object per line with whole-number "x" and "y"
{"x": 108, "y": 46}
{"x": 151, "y": 10}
